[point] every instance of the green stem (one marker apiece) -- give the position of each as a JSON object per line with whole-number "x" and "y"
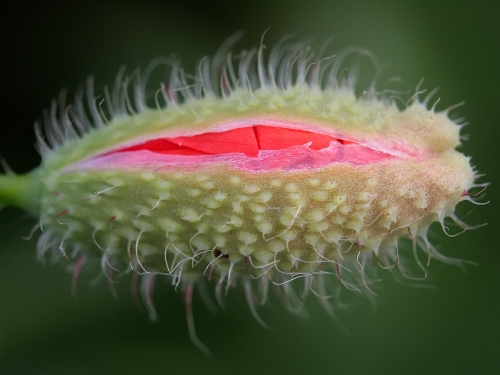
{"x": 20, "y": 191}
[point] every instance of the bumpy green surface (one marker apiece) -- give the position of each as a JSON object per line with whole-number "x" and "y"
{"x": 171, "y": 221}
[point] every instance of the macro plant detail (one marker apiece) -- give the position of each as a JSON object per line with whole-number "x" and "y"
{"x": 258, "y": 171}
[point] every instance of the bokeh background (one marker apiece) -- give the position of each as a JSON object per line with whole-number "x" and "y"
{"x": 452, "y": 328}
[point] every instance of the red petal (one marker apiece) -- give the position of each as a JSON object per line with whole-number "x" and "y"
{"x": 236, "y": 140}
{"x": 272, "y": 138}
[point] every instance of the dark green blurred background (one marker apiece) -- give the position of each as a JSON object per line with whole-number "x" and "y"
{"x": 452, "y": 329}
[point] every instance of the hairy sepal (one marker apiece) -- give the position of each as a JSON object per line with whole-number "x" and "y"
{"x": 185, "y": 219}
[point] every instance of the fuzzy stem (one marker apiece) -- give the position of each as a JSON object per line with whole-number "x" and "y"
{"x": 20, "y": 191}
